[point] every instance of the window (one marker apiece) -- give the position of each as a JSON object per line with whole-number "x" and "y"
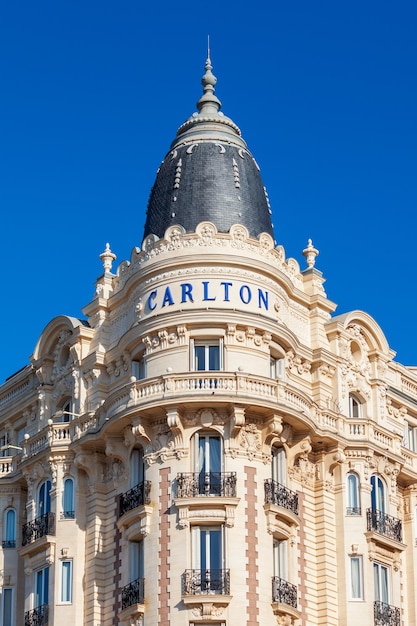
{"x": 355, "y": 408}
{"x": 68, "y": 499}
{"x": 7, "y": 606}
{"x": 276, "y": 368}
{"x": 352, "y": 493}
{"x": 44, "y": 498}
{"x": 136, "y": 560}
{"x": 280, "y": 550}
{"x": 207, "y": 557}
{"x": 356, "y": 579}
{"x": 66, "y": 582}
{"x": 9, "y": 540}
{"x": 67, "y": 412}
{"x": 378, "y": 499}
{"x": 381, "y": 583}
{"x": 410, "y": 437}
{"x": 138, "y": 369}
{"x": 207, "y": 356}
{"x": 279, "y": 465}
{"x": 136, "y": 467}
{"x": 41, "y": 587}
{"x": 208, "y": 463}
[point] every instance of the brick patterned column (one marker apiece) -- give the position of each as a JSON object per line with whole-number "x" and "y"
{"x": 164, "y": 552}
{"x": 251, "y": 528}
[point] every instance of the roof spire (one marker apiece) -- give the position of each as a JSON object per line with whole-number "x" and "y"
{"x": 209, "y": 103}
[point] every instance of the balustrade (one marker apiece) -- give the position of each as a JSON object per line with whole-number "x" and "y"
{"x": 38, "y": 616}
{"x": 133, "y": 593}
{"x": 284, "y": 592}
{"x": 386, "y": 615}
{"x": 384, "y": 524}
{"x": 39, "y": 527}
{"x": 137, "y": 496}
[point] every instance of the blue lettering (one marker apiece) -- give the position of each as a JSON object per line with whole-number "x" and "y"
{"x": 226, "y": 291}
{"x": 151, "y": 298}
{"x": 245, "y": 294}
{"x": 168, "y": 299}
{"x": 206, "y": 296}
{"x": 186, "y": 292}
{"x": 262, "y": 299}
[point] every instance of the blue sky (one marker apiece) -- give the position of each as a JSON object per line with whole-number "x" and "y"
{"x": 92, "y": 94}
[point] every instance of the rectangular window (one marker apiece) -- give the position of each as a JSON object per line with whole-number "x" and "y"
{"x": 136, "y": 560}
{"x": 41, "y": 587}
{"x": 138, "y": 369}
{"x": 207, "y": 557}
{"x": 381, "y": 583}
{"x": 66, "y": 582}
{"x": 207, "y": 355}
{"x": 410, "y": 437}
{"x": 7, "y": 606}
{"x": 356, "y": 582}
{"x": 281, "y": 559}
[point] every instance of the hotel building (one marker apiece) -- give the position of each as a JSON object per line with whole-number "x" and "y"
{"x": 210, "y": 445}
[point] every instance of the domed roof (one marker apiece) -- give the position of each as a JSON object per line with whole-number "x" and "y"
{"x": 208, "y": 175}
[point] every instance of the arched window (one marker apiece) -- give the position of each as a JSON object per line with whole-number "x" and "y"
{"x": 378, "y": 495}
{"x": 9, "y": 540}
{"x": 44, "y": 498}
{"x": 352, "y": 494}
{"x": 355, "y": 407}
{"x": 66, "y": 412}
{"x": 68, "y": 499}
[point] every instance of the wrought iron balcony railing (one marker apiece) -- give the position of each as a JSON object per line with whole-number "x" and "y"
{"x": 39, "y": 527}
{"x": 137, "y": 496}
{"x": 194, "y": 484}
{"x": 353, "y": 510}
{"x": 275, "y": 493}
{"x": 384, "y": 524}
{"x": 68, "y": 515}
{"x": 8, "y": 543}
{"x": 206, "y": 581}
{"x": 386, "y": 615}
{"x": 133, "y": 593}
{"x": 284, "y": 592}
{"x": 38, "y": 616}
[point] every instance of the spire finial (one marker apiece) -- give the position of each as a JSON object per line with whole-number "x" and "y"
{"x": 310, "y": 254}
{"x": 208, "y": 101}
{"x": 107, "y": 257}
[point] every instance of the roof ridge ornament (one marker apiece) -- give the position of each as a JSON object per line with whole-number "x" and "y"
{"x": 208, "y": 103}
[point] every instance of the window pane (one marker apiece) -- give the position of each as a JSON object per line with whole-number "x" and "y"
{"x": 10, "y": 525}
{"x": 200, "y": 363}
{"x": 7, "y": 607}
{"x": 353, "y": 499}
{"x": 214, "y": 358}
{"x": 68, "y": 495}
{"x": 356, "y": 575}
{"x": 66, "y": 581}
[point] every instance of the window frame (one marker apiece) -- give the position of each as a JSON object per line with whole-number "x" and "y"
{"x": 11, "y": 620}
{"x": 359, "y": 560}
{"x": 376, "y": 503}
{"x": 7, "y": 527}
{"x": 66, "y": 578}
{"x": 68, "y": 513}
{"x": 378, "y": 588}
{"x": 353, "y": 505}
{"x": 355, "y": 406}
{"x": 280, "y": 558}
{"x": 217, "y": 342}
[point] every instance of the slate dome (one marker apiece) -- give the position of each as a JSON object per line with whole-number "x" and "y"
{"x": 208, "y": 175}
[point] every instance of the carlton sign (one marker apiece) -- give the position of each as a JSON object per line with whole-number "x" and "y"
{"x": 216, "y": 293}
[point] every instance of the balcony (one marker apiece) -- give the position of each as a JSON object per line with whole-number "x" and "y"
{"x": 277, "y": 494}
{"x": 386, "y": 615}
{"x": 39, "y": 527}
{"x": 135, "y": 511}
{"x": 384, "y": 524}
{"x": 133, "y": 593}
{"x": 137, "y": 496}
{"x": 38, "y": 616}
{"x": 284, "y": 592}
{"x": 196, "y": 582}
{"x": 195, "y": 484}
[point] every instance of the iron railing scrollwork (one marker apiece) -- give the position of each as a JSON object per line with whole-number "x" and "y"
{"x": 194, "y": 484}
{"x": 39, "y": 527}
{"x": 277, "y": 494}
{"x": 386, "y": 615}
{"x": 137, "y": 496}
{"x": 206, "y": 581}
{"x": 38, "y": 616}
{"x": 353, "y": 510}
{"x": 133, "y": 593}
{"x": 8, "y": 543}
{"x": 384, "y": 524}
{"x": 284, "y": 592}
